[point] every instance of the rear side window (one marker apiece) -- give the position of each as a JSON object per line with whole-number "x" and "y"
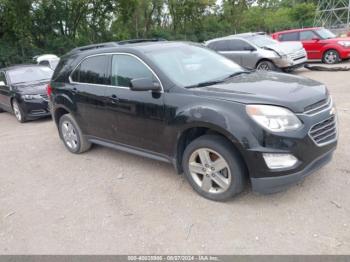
{"x": 294, "y": 36}
{"x": 93, "y": 70}
{"x": 126, "y": 68}
{"x": 238, "y": 45}
{"x": 219, "y": 45}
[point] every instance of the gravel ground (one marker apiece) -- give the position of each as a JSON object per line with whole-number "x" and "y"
{"x": 109, "y": 202}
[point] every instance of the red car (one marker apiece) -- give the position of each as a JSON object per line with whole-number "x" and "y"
{"x": 319, "y": 43}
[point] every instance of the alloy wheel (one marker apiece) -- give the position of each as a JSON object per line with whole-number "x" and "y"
{"x": 17, "y": 111}
{"x": 69, "y": 135}
{"x": 210, "y": 171}
{"x": 264, "y": 67}
{"x": 331, "y": 57}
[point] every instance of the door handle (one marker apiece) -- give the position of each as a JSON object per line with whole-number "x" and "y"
{"x": 114, "y": 99}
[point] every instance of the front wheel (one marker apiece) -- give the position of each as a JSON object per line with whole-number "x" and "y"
{"x": 266, "y": 66}
{"x": 331, "y": 57}
{"x": 213, "y": 168}
{"x": 18, "y": 111}
{"x": 72, "y": 136}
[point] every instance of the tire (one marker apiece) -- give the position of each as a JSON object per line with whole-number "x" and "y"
{"x": 331, "y": 57}
{"x": 72, "y": 136}
{"x": 1, "y": 110}
{"x": 18, "y": 111}
{"x": 221, "y": 184}
{"x": 266, "y": 66}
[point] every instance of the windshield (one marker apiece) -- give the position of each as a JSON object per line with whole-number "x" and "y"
{"x": 262, "y": 40}
{"x": 29, "y": 74}
{"x": 189, "y": 65}
{"x": 325, "y": 33}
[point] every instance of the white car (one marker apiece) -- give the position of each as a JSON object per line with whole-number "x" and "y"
{"x": 47, "y": 60}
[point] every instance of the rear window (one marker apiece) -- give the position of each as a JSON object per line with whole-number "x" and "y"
{"x": 294, "y": 36}
{"x": 93, "y": 70}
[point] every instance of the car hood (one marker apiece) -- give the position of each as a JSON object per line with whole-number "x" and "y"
{"x": 333, "y": 40}
{"x": 36, "y": 88}
{"x": 285, "y": 48}
{"x": 269, "y": 88}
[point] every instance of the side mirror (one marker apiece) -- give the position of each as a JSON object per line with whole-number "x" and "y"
{"x": 2, "y": 83}
{"x": 144, "y": 84}
{"x": 316, "y": 39}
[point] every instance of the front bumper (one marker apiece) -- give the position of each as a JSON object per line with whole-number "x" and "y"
{"x": 268, "y": 185}
{"x": 311, "y": 154}
{"x": 35, "y": 108}
{"x": 290, "y": 63}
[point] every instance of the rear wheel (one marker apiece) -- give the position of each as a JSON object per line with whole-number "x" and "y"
{"x": 1, "y": 110}
{"x": 18, "y": 111}
{"x": 72, "y": 136}
{"x": 213, "y": 168}
{"x": 266, "y": 66}
{"x": 331, "y": 57}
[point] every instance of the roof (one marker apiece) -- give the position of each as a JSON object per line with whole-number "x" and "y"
{"x": 244, "y": 35}
{"x": 45, "y": 57}
{"x": 298, "y": 30}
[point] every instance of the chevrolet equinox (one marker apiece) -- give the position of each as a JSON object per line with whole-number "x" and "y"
{"x": 184, "y": 104}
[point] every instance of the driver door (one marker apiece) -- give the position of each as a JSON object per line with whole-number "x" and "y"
{"x": 138, "y": 115}
{"x": 312, "y": 46}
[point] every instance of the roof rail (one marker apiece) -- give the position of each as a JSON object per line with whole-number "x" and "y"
{"x": 94, "y": 46}
{"x": 141, "y": 40}
{"x": 113, "y": 44}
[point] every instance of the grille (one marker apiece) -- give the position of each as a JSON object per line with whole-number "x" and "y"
{"x": 324, "y": 132}
{"x": 318, "y": 106}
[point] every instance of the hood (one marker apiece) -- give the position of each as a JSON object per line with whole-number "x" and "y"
{"x": 36, "y": 88}
{"x": 337, "y": 39}
{"x": 285, "y": 48}
{"x": 269, "y": 88}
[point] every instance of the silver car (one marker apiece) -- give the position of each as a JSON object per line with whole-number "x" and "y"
{"x": 260, "y": 51}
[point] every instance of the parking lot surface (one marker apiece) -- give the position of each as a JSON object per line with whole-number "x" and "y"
{"x": 110, "y": 202}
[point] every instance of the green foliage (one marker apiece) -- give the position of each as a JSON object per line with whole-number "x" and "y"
{"x": 32, "y": 27}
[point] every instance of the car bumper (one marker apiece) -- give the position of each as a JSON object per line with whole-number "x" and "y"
{"x": 345, "y": 53}
{"x": 269, "y": 185}
{"x": 35, "y": 109}
{"x": 289, "y": 64}
{"x": 310, "y": 154}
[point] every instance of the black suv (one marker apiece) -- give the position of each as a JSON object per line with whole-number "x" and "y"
{"x": 184, "y": 104}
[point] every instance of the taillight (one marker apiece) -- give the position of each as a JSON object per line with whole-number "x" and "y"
{"x": 49, "y": 90}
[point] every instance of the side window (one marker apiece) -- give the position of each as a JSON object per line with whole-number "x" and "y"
{"x": 238, "y": 45}
{"x": 126, "y": 68}
{"x": 221, "y": 45}
{"x": 307, "y": 35}
{"x": 93, "y": 70}
{"x": 2, "y": 77}
{"x": 289, "y": 36}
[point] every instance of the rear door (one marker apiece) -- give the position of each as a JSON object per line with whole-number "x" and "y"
{"x": 312, "y": 44}
{"x": 88, "y": 85}
{"x": 5, "y": 98}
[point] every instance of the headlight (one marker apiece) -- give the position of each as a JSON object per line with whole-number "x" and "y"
{"x": 31, "y": 97}
{"x": 344, "y": 43}
{"x": 273, "y": 118}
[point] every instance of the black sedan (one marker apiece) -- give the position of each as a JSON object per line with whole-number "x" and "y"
{"x": 23, "y": 91}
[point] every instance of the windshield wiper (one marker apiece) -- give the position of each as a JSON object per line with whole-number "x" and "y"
{"x": 238, "y": 73}
{"x": 207, "y": 83}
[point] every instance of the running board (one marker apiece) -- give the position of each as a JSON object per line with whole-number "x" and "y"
{"x": 131, "y": 150}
